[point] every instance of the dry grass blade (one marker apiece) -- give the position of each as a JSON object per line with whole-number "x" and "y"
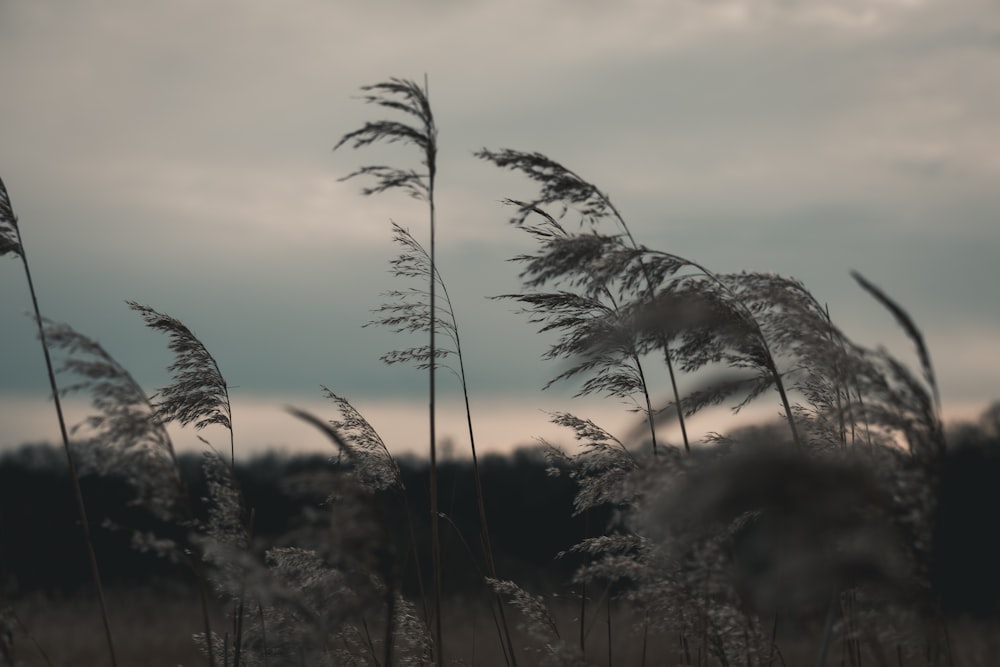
{"x": 327, "y": 430}
{"x": 904, "y": 320}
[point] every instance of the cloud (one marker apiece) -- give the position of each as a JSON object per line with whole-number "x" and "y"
{"x": 179, "y": 154}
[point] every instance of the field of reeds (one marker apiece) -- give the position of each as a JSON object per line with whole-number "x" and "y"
{"x": 856, "y": 531}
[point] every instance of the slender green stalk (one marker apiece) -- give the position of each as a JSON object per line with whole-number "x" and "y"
{"x": 8, "y": 222}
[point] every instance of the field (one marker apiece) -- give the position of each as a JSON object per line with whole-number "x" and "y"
{"x": 856, "y": 530}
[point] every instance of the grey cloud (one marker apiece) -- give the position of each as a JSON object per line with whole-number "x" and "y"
{"x": 179, "y": 154}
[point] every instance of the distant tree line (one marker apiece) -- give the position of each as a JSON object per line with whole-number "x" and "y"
{"x": 530, "y": 513}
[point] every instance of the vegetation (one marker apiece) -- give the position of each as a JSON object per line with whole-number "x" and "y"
{"x": 848, "y": 532}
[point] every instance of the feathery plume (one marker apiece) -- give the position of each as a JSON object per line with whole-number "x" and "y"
{"x": 409, "y": 98}
{"x": 559, "y": 185}
{"x": 8, "y": 225}
{"x": 199, "y": 394}
{"x": 124, "y": 436}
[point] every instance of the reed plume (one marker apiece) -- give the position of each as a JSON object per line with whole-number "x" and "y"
{"x": 358, "y": 441}
{"x": 123, "y": 435}
{"x": 199, "y": 394}
{"x": 565, "y": 188}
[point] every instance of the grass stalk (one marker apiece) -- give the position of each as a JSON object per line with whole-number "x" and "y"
{"x": 199, "y": 396}
{"x": 241, "y": 606}
{"x": 610, "y": 643}
{"x": 831, "y": 616}
{"x": 117, "y": 397}
{"x": 410, "y": 98}
{"x": 503, "y": 634}
{"x": 8, "y": 219}
{"x": 415, "y": 260}
{"x": 432, "y": 403}
{"x": 263, "y": 635}
{"x": 668, "y": 360}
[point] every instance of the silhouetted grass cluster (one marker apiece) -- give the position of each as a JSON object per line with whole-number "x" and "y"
{"x": 846, "y": 535}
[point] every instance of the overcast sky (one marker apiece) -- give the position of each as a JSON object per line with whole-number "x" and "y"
{"x": 179, "y": 154}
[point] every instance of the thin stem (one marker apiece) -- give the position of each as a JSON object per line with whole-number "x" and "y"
{"x": 831, "y": 616}
{"x": 390, "y": 615}
{"x": 435, "y": 526}
{"x": 749, "y": 318}
{"x": 645, "y": 639}
{"x": 238, "y": 634}
{"x": 416, "y": 555}
{"x": 504, "y": 641}
{"x": 480, "y": 498}
{"x": 583, "y": 590}
{"x": 369, "y": 644}
{"x": 663, "y": 341}
{"x": 74, "y": 476}
{"x": 31, "y": 638}
{"x": 263, "y": 634}
{"x": 610, "y": 661}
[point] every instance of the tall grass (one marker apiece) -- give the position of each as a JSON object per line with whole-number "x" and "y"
{"x": 127, "y": 436}
{"x": 409, "y": 98}
{"x": 11, "y": 242}
{"x": 785, "y": 544}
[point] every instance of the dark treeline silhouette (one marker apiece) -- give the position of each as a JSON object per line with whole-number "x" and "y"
{"x": 531, "y": 519}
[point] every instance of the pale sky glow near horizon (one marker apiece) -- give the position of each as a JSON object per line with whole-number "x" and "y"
{"x": 179, "y": 154}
